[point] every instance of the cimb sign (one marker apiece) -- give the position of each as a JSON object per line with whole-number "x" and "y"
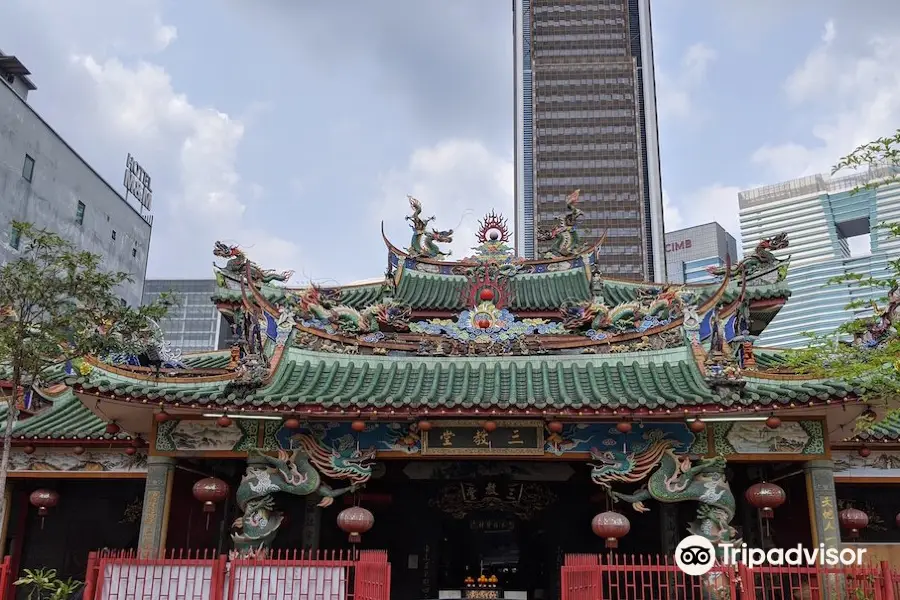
{"x": 675, "y": 246}
{"x": 137, "y": 182}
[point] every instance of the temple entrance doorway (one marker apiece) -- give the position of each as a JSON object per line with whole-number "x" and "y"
{"x": 512, "y": 522}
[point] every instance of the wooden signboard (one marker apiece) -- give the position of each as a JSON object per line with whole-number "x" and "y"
{"x": 469, "y": 438}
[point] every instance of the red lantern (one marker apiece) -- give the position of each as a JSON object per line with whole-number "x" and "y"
{"x": 697, "y": 425}
{"x": 78, "y": 450}
{"x": 130, "y": 450}
{"x": 358, "y": 426}
{"x": 623, "y": 427}
{"x": 224, "y": 421}
{"x": 611, "y": 526}
{"x": 29, "y": 449}
{"x": 112, "y": 428}
{"x": 162, "y": 416}
{"x": 292, "y": 423}
{"x": 487, "y": 294}
{"x": 490, "y": 426}
{"x": 766, "y": 497}
{"x": 44, "y": 500}
{"x": 853, "y": 519}
{"x": 773, "y": 422}
{"x": 555, "y": 426}
{"x": 864, "y": 451}
{"x": 210, "y": 491}
{"x": 424, "y": 425}
{"x": 355, "y": 521}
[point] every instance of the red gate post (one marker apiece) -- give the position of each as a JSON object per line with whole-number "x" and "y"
{"x": 372, "y": 577}
{"x": 90, "y": 576}
{"x": 5, "y": 579}
{"x": 746, "y": 582}
{"x": 887, "y": 581}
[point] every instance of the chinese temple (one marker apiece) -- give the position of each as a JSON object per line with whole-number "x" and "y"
{"x": 477, "y": 419}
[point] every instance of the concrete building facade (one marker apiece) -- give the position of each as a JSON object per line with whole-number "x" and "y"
{"x": 194, "y": 324}
{"x": 832, "y": 230}
{"x": 691, "y": 251}
{"x": 585, "y": 118}
{"x": 45, "y": 182}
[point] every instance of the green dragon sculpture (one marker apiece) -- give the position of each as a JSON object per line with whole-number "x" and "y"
{"x": 664, "y": 304}
{"x": 762, "y": 259}
{"x": 311, "y": 304}
{"x": 564, "y": 237}
{"x": 674, "y": 478}
{"x": 296, "y": 473}
{"x": 236, "y": 267}
{"x": 423, "y": 241}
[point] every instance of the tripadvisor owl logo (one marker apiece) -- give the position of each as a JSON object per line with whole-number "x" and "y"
{"x": 696, "y": 555}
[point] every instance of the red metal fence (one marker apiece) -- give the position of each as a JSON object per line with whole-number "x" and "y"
{"x": 294, "y": 575}
{"x": 617, "y": 577}
{"x": 5, "y": 577}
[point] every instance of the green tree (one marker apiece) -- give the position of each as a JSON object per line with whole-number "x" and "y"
{"x": 865, "y": 351}
{"x": 57, "y": 304}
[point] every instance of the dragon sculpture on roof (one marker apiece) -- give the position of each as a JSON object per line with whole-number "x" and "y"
{"x": 238, "y": 264}
{"x": 564, "y": 237}
{"x": 423, "y": 242}
{"x": 762, "y": 260}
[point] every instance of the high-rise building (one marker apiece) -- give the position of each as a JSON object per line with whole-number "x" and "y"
{"x": 691, "y": 251}
{"x": 585, "y": 118}
{"x": 194, "y": 323}
{"x": 45, "y": 182}
{"x": 831, "y": 225}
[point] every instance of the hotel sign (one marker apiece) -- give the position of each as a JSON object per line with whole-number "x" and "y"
{"x": 469, "y": 437}
{"x": 137, "y": 182}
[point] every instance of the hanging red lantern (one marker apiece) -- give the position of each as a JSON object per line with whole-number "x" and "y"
{"x": 424, "y": 425}
{"x": 623, "y": 427}
{"x": 210, "y": 491}
{"x": 773, "y": 422}
{"x": 224, "y": 421}
{"x": 490, "y": 426}
{"x": 555, "y": 426}
{"x": 611, "y": 526}
{"x": 864, "y": 451}
{"x": 112, "y": 428}
{"x": 355, "y": 520}
{"x": 78, "y": 450}
{"x": 162, "y": 416}
{"x": 29, "y": 449}
{"x": 697, "y": 425}
{"x": 130, "y": 450}
{"x": 44, "y": 500}
{"x": 358, "y": 426}
{"x": 292, "y": 423}
{"x": 766, "y": 497}
{"x": 852, "y": 520}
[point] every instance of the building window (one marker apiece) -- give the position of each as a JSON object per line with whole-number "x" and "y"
{"x": 114, "y": 234}
{"x": 79, "y": 214}
{"x": 28, "y": 168}
{"x": 134, "y": 253}
{"x": 15, "y": 237}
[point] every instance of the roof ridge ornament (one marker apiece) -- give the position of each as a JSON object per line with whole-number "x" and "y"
{"x": 564, "y": 237}
{"x": 423, "y": 242}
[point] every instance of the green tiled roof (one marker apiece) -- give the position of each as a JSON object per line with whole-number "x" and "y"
{"x": 65, "y": 418}
{"x": 207, "y": 360}
{"x": 650, "y": 379}
{"x": 885, "y": 430}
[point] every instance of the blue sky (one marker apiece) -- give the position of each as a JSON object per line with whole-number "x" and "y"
{"x": 294, "y": 128}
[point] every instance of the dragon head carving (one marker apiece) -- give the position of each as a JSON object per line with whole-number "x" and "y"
{"x": 445, "y": 236}
{"x": 611, "y": 465}
{"x": 778, "y": 242}
{"x": 225, "y": 251}
{"x": 352, "y": 464}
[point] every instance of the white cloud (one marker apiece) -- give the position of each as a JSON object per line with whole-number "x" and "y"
{"x": 676, "y": 90}
{"x": 714, "y": 202}
{"x": 457, "y": 181}
{"x": 854, "y": 97}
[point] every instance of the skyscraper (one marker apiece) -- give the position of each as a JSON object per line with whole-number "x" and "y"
{"x": 832, "y": 227}
{"x": 585, "y": 118}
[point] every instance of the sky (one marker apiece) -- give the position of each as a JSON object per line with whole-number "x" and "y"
{"x": 295, "y": 128}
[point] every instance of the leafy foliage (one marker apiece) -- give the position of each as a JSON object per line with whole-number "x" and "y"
{"x": 43, "y": 584}
{"x": 58, "y": 303}
{"x": 850, "y": 354}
